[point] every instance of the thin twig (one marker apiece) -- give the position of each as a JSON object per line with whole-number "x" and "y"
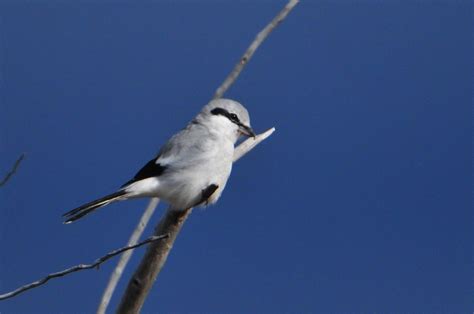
{"x": 253, "y": 47}
{"x": 13, "y": 170}
{"x": 80, "y": 267}
{"x": 125, "y": 257}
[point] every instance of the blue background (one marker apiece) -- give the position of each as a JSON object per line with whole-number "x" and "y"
{"x": 361, "y": 201}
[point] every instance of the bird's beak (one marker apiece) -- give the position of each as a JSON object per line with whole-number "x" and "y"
{"x": 246, "y": 130}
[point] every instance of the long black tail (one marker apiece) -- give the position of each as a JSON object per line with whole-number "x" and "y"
{"x": 85, "y": 209}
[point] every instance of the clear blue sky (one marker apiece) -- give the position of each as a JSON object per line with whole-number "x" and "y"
{"x": 361, "y": 201}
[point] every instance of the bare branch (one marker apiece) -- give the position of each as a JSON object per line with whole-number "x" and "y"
{"x": 125, "y": 257}
{"x": 253, "y": 47}
{"x": 250, "y": 143}
{"x": 80, "y": 267}
{"x": 242, "y": 149}
{"x": 157, "y": 253}
{"x": 151, "y": 264}
{"x": 13, "y": 170}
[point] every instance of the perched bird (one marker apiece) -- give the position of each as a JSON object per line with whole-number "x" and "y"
{"x": 192, "y": 168}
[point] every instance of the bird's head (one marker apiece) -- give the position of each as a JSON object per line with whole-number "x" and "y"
{"x": 229, "y": 117}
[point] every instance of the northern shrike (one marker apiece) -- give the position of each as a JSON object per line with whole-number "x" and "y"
{"x": 192, "y": 168}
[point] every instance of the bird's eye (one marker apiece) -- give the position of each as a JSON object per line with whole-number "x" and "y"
{"x": 234, "y": 117}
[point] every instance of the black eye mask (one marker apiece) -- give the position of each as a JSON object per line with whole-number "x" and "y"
{"x": 231, "y": 116}
{"x": 244, "y": 129}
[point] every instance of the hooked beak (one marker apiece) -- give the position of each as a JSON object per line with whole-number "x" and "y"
{"x": 246, "y": 130}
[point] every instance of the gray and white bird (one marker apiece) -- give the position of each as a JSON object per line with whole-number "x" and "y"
{"x": 192, "y": 168}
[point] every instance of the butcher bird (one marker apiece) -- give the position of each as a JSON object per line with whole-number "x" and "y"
{"x": 192, "y": 168}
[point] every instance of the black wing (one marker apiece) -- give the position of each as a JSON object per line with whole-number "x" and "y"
{"x": 151, "y": 169}
{"x": 174, "y": 147}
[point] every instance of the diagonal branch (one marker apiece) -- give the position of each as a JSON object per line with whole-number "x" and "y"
{"x": 13, "y": 170}
{"x": 152, "y": 262}
{"x": 261, "y": 36}
{"x": 80, "y": 267}
{"x": 231, "y": 78}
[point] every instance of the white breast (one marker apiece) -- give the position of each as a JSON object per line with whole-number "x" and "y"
{"x": 210, "y": 163}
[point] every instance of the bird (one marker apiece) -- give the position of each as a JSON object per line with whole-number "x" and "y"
{"x": 192, "y": 168}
